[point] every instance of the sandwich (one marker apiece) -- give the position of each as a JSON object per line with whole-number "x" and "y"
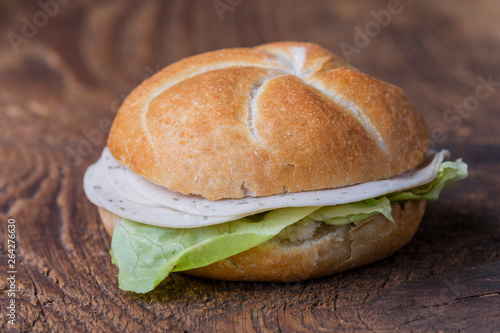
{"x": 274, "y": 163}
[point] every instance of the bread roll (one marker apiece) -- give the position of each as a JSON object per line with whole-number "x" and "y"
{"x": 280, "y": 117}
{"x": 276, "y": 118}
{"x": 309, "y": 249}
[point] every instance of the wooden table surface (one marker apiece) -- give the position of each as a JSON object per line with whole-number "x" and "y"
{"x": 65, "y": 67}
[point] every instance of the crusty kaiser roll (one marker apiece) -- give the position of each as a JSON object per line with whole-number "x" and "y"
{"x": 274, "y": 163}
{"x": 281, "y": 117}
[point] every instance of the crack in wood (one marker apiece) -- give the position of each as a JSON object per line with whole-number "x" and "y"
{"x": 42, "y": 312}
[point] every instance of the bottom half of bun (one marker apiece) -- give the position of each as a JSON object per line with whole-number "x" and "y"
{"x": 310, "y": 249}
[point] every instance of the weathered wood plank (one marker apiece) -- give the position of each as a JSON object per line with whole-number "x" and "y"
{"x": 62, "y": 84}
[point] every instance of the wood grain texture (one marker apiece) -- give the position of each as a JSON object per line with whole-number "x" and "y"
{"x": 61, "y": 86}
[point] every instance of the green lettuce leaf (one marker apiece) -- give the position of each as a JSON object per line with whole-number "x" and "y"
{"x": 353, "y": 212}
{"x": 449, "y": 173}
{"x": 146, "y": 255}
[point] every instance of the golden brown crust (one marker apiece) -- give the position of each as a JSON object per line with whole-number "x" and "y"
{"x": 109, "y": 220}
{"x": 266, "y": 120}
{"x": 333, "y": 249}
